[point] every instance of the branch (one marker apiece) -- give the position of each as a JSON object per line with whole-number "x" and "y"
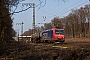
{"x": 15, "y": 12}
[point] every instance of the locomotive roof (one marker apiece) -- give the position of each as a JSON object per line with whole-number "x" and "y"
{"x": 47, "y": 30}
{"x": 57, "y": 28}
{"x": 51, "y": 29}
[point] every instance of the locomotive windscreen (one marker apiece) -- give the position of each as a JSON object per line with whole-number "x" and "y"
{"x": 59, "y": 32}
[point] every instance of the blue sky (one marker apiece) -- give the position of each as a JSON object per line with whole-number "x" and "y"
{"x": 51, "y": 9}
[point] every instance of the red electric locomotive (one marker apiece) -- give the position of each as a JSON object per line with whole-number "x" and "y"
{"x": 53, "y": 35}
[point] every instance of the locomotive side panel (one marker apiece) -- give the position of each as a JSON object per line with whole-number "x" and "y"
{"x": 47, "y": 35}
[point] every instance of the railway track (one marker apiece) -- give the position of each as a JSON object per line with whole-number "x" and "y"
{"x": 65, "y": 45}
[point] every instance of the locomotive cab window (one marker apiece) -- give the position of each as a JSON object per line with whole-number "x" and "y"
{"x": 59, "y": 31}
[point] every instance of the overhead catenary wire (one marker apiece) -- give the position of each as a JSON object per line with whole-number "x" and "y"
{"x": 26, "y": 14}
{"x": 55, "y": 15}
{"x": 63, "y": 10}
{"x": 20, "y": 16}
{"x": 72, "y": 8}
{"x": 14, "y": 12}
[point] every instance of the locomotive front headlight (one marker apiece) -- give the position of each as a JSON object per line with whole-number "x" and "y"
{"x": 63, "y": 37}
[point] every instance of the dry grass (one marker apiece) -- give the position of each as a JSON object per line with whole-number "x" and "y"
{"x": 78, "y": 49}
{"x": 78, "y": 40}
